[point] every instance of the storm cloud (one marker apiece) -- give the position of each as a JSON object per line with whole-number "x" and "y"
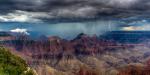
{"x": 46, "y": 10}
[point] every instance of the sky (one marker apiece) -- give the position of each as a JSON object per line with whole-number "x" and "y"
{"x": 66, "y": 17}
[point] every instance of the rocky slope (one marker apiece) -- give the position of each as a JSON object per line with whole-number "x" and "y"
{"x": 84, "y": 55}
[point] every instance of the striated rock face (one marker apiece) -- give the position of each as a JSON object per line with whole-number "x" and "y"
{"x": 84, "y": 55}
{"x": 82, "y": 44}
{"x": 91, "y": 45}
{"x": 137, "y": 69}
{"x": 6, "y": 38}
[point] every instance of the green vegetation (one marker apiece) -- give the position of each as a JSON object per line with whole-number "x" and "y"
{"x": 12, "y": 65}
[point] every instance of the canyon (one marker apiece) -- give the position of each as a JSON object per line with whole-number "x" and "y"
{"x": 83, "y": 55}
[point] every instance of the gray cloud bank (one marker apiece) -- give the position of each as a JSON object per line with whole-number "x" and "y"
{"x": 46, "y": 10}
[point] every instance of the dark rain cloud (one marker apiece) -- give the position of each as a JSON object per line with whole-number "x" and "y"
{"x": 76, "y": 9}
